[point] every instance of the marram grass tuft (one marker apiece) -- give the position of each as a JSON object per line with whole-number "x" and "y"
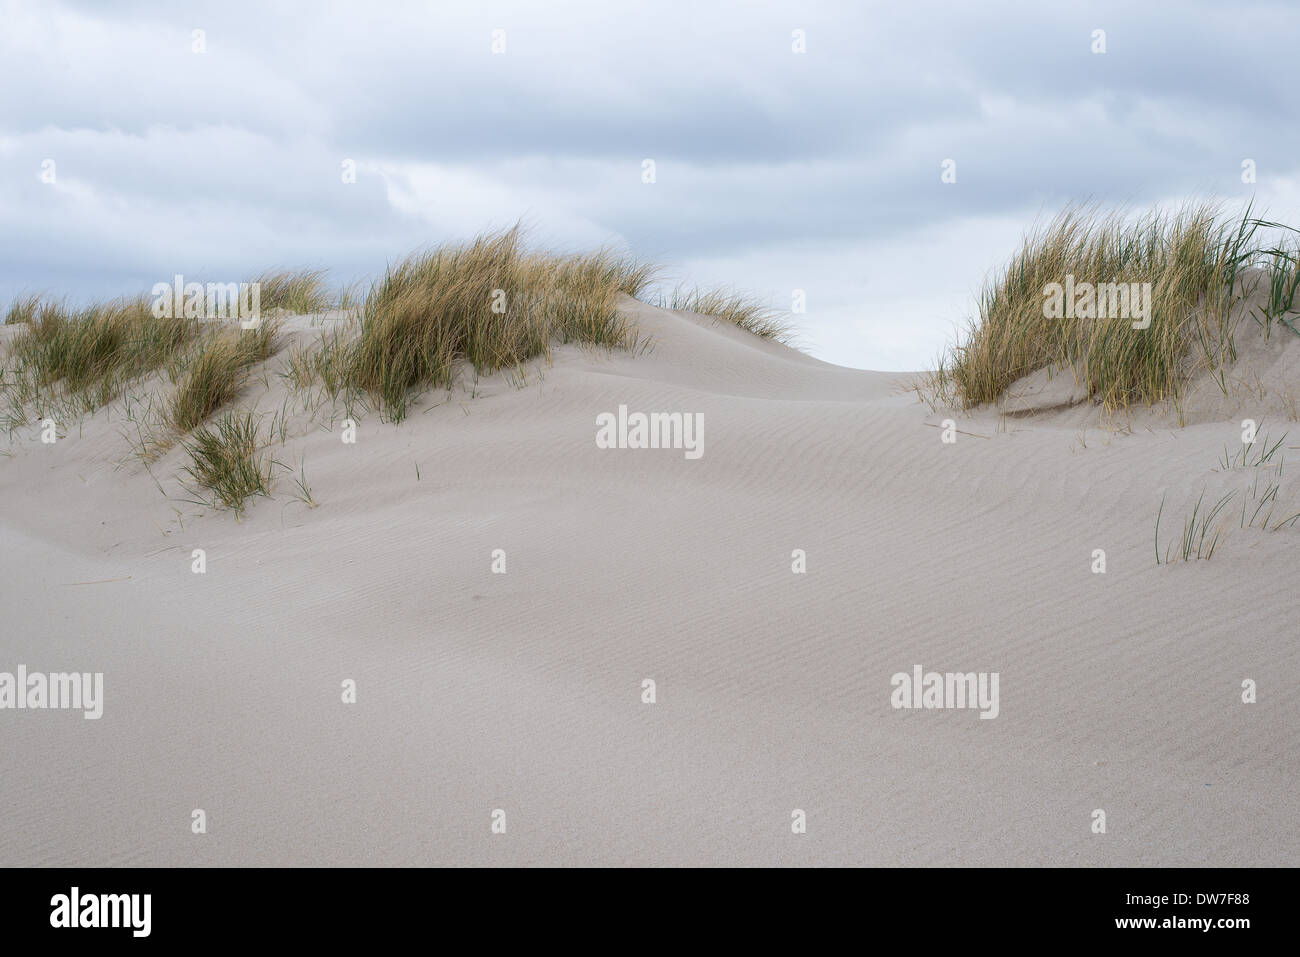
{"x": 1190, "y": 260}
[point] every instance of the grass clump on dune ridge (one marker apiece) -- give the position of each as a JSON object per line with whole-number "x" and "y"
{"x": 86, "y": 357}
{"x": 23, "y": 309}
{"x": 488, "y": 302}
{"x": 90, "y": 355}
{"x": 747, "y": 312}
{"x": 218, "y": 368}
{"x": 302, "y": 292}
{"x": 1192, "y": 259}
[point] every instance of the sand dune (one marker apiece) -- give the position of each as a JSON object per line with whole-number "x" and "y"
{"x": 523, "y": 691}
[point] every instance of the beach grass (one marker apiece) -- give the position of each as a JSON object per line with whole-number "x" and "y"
{"x": 488, "y": 302}
{"x": 86, "y": 357}
{"x": 727, "y": 305}
{"x": 216, "y": 370}
{"x": 1192, "y": 258}
{"x": 24, "y": 309}
{"x": 300, "y": 291}
{"x": 226, "y": 461}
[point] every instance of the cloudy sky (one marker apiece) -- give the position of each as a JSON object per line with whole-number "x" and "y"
{"x": 775, "y": 170}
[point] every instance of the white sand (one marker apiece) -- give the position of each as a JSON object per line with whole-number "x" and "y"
{"x": 522, "y": 691}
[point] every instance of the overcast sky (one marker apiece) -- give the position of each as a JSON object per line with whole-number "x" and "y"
{"x": 774, "y": 170}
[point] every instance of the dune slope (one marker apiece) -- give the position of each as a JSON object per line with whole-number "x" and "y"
{"x": 522, "y": 691}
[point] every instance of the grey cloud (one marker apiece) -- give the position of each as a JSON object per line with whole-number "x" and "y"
{"x": 229, "y": 161}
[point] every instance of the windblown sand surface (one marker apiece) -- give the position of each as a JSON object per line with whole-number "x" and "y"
{"x": 478, "y": 691}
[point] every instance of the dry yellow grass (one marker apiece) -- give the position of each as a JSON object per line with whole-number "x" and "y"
{"x": 728, "y": 305}
{"x": 83, "y": 359}
{"x": 216, "y": 371}
{"x": 1191, "y": 258}
{"x": 487, "y": 302}
{"x": 302, "y": 291}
